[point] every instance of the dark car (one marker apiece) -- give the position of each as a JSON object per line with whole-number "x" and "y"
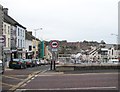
{"x": 29, "y": 62}
{"x": 17, "y": 63}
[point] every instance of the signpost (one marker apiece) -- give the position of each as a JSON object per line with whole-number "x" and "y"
{"x": 54, "y": 47}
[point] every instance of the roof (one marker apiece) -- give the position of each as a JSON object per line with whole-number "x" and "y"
{"x": 11, "y": 21}
{"x": 30, "y": 37}
{"x": 35, "y": 38}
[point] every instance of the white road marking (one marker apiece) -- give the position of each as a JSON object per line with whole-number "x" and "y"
{"x": 24, "y": 85}
{"x": 36, "y": 75}
{"x": 7, "y": 84}
{"x": 62, "y": 74}
{"x": 28, "y": 81}
{"x": 44, "y": 71}
{"x": 32, "y": 78}
{"x": 12, "y": 77}
{"x": 92, "y": 73}
{"x": 85, "y": 88}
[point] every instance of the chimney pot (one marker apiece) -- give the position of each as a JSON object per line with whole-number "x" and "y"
{"x": 5, "y": 10}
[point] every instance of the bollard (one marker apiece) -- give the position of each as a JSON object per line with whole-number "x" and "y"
{"x": 51, "y": 65}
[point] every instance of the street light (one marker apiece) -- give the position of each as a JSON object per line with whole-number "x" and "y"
{"x": 35, "y": 39}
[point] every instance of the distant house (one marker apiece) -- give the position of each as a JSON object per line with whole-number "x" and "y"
{"x": 31, "y": 45}
{"x": 35, "y": 49}
{"x": 28, "y": 45}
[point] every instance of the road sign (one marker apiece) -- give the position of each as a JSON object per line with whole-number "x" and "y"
{"x": 2, "y": 39}
{"x": 54, "y": 49}
{"x": 54, "y": 44}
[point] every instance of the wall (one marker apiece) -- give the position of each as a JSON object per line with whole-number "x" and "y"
{"x": 21, "y": 36}
{"x": 27, "y": 44}
{"x": 13, "y": 37}
{"x": 7, "y": 33}
{"x": 1, "y": 31}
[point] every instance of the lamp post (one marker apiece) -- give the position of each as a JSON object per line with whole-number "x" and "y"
{"x": 36, "y": 40}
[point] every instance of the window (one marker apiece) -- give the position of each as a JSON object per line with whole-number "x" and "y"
{"x": 8, "y": 29}
{"x": 112, "y": 51}
{"x": 30, "y": 48}
{"x": 5, "y": 28}
{"x": 18, "y": 32}
{"x": 23, "y": 33}
{"x": 8, "y": 42}
{"x": 21, "y": 43}
{"x": 18, "y": 42}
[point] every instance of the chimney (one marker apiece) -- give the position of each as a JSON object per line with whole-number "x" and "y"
{"x": 1, "y": 7}
{"x": 30, "y": 32}
{"x": 5, "y": 10}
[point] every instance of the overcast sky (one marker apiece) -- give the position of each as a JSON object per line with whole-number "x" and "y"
{"x": 71, "y": 20}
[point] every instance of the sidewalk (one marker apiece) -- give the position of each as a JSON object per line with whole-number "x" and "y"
{"x": 8, "y": 69}
{"x": 52, "y": 72}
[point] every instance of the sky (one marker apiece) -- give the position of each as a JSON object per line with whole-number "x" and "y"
{"x": 71, "y": 20}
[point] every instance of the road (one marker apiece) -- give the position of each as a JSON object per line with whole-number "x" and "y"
{"x": 13, "y": 78}
{"x": 71, "y": 82}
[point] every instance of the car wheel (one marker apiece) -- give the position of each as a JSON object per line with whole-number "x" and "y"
{"x": 21, "y": 67}
{"x": 25, "y": 66}
{"x": 31, "y": 65}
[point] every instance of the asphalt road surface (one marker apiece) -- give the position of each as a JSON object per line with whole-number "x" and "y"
{"x": 79, "y": 82}
{"x": 12, "y": 78}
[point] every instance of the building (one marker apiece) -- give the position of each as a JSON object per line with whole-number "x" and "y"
{"x": 15, "y": 32}
{"x": 28, "y": 45}
{"x": 48, "y": 54}
{"x": 20, "y": 41}
{"x": 7, "y": 44}
{"x": 1, "y": 31}
{"x": 32, "y": 44}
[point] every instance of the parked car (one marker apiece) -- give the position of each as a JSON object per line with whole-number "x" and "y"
{"x": 34, "y": 62}
{"x": 38, "y": 62}
{"x": 17, "y": 63}
{"x": 1, "y": 67}
{"x": 29, "y": 62}
{"x": 42, "y": 62}
{"x": 57, "y": 62}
